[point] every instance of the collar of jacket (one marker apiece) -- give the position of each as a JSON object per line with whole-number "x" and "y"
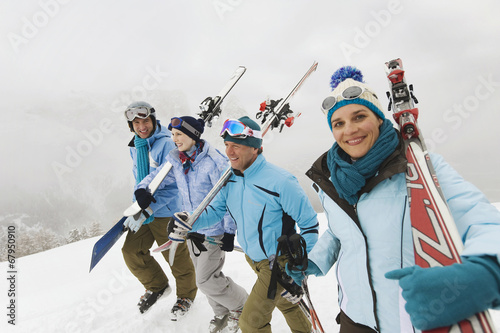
{"x": 320, "y": 175}
{"x": 252, "y": 169}
{"x": 153, "y": 137}
{"x": 174, "y": 153}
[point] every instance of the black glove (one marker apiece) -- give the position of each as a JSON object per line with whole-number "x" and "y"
{"x": 171, "y": 225}
{"x": 144, "y": 198}
{"x": 197, "y": 240}
{"x": 227, "y": 242}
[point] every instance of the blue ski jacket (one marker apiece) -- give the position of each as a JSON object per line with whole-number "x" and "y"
{"x": 159, "y": 145}
{"x": 265, "y": 202}
{"x": 207, "y": 168}
{"x": 374, "y": 237}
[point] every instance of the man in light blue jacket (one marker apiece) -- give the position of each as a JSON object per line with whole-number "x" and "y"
{"x": 150, "y": 146}
{"x": 266, "y": 202}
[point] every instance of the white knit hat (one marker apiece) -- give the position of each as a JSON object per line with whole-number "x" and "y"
{"x": 344, "y": 78}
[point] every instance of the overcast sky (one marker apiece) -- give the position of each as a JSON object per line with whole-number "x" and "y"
{"x": 69, "y": 68}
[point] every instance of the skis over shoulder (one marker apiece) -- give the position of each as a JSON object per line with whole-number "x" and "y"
{"x": 210, "y": 110}
{"x": 276, "y": 114}
{"x": 436, "y": 239}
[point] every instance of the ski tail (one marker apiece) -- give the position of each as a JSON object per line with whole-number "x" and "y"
{"x": 210, "y": 107}
{"x": 436, "y": 240}
{"x": 279, "y": 111}
{"x": 107, "y": 241}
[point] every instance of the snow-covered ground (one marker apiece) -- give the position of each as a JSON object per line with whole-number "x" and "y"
{"x": 56, "y": 293}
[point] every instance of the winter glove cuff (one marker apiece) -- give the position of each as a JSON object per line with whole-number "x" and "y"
{"x": 298, "y": 276}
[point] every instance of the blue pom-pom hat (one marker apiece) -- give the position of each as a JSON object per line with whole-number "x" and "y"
{"x": 344, "y": 78}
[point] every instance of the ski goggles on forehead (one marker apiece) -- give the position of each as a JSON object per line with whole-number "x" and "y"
{"x": 178, "y": 123}
{"x": 349, "y": 93}
{"x": 237, "y": 129}
{"x": 141, "y": 112}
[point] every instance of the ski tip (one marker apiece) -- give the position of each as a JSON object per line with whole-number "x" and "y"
{"x": 158, "y": 249}
{"x": 240, "y": 71}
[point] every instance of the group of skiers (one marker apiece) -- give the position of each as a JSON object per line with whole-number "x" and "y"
{"x": 361, "y": 184}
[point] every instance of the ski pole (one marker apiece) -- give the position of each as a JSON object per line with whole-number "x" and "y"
{"x": 314, "y": 315}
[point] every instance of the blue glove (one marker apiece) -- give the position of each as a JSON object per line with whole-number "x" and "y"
{"x": 298, "y": 276}
{"x": 227, "y": 242}
{"x": 442, "y": 296}
{"x": 144, "y": 198}
{"x": 132, "y": 224}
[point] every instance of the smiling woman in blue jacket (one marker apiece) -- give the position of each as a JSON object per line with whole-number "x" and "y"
{"x": 362, "y": 186}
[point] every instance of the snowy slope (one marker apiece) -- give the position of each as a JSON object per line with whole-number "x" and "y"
{"x": 57, "y": 294}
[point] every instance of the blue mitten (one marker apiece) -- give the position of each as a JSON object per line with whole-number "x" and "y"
{"x": 442, "y": 296}
{"x": 298, "y": 276}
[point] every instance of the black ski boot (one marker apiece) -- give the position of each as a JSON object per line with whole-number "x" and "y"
{"x": 150, "y": 298}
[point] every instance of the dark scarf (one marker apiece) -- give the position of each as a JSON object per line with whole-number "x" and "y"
{"x": 349, "y": 177}
{"x": 187, "y": 159}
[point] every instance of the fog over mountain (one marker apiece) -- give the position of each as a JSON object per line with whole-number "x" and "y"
{"x": 70, "y": 68}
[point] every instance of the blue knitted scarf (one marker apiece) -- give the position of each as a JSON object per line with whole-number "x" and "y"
{"x": 349, "y": 177}
{"x": 141, "y": 146}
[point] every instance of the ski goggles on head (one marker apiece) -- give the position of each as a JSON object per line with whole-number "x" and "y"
{"x": 349, "y": 93}
{"x": 141, "y": 112}
{"x": 178, "y": 123}
{"x": 237, "y": 129}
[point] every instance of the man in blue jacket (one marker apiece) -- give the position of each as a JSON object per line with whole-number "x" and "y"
{"x": 266, "y": 202}
{"x": 148, "y": 149}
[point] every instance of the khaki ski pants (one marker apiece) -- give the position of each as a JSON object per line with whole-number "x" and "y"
{"x": 258, "y": 309}
{"x": 147, "y": 270}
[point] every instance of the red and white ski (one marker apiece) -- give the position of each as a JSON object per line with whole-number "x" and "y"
{"x": 436, "y": 240}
